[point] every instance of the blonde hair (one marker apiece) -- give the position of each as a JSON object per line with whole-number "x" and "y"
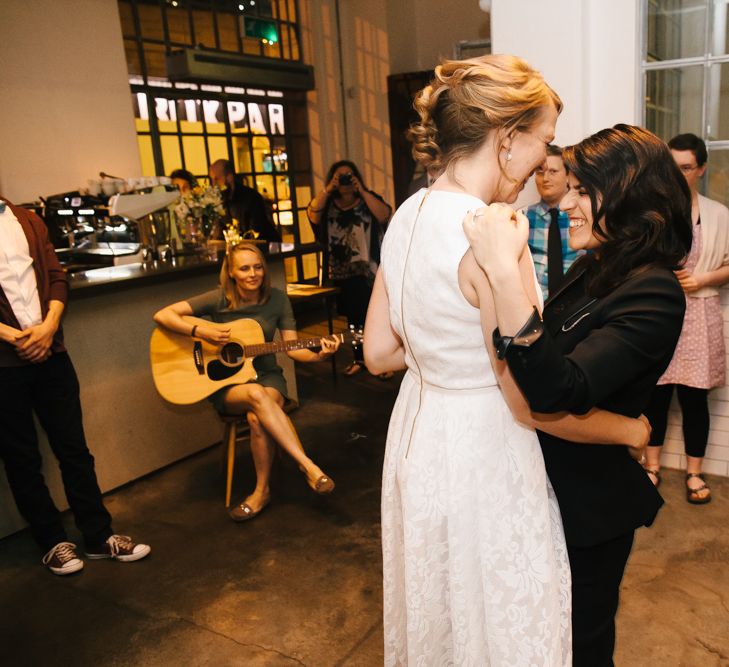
{"x": 227, "y": 282}
{"x": 469, "y": 98}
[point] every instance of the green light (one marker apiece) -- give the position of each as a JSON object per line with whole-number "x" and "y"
{"x": 261, "y": 29}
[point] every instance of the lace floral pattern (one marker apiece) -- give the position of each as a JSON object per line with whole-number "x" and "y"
{"x": 475, "y": 565}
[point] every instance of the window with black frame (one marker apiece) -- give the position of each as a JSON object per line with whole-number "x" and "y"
{"x": 263, "y": 132}
{"x": 686, "y": 78}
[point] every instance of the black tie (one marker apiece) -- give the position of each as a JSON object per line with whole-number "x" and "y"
{"x": 555, "y": 270}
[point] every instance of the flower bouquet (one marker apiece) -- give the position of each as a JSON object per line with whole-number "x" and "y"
{"x": 198, "y": 215}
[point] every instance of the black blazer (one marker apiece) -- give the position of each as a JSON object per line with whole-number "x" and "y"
{"x": 605, "y": 352}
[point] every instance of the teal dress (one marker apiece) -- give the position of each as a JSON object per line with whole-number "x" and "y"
{"x": 275, "y": 314}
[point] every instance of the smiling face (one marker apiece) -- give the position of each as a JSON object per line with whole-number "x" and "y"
{"x": 528, "y": 151}
{"x": 248, "y": 272}
{"x": 578, "y": 206}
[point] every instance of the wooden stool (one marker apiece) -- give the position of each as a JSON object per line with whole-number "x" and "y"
{"x": 230, "y": 435}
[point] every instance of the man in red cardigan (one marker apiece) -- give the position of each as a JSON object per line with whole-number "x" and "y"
{"x": 37, "y": 376}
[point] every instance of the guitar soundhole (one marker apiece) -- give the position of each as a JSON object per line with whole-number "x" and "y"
{"x": 232, "y": 354}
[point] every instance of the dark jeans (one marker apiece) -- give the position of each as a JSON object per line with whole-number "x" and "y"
{"x": 695, "y": 410}
{"x": 596, "y": 575}
{"x": 352, "y": 302}
{"x": 51, "y": 390}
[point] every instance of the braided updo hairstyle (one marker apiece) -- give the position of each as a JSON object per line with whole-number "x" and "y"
{"x": 467, "y": 99}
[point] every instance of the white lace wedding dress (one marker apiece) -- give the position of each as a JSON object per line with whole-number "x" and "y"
{"x": 475, "y": 565}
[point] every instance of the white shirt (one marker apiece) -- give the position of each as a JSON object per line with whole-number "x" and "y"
{"x": 17, "y": 276}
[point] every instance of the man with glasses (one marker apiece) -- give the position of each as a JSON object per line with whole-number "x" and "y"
{"x": 548, "y": 225}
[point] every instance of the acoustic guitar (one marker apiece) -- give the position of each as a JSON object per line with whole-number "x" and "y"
{"x": 187, "y": 370}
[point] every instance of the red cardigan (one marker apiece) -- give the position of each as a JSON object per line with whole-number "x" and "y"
{"x": 49, "y": 274}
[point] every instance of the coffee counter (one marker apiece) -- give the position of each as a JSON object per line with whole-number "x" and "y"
{"x": 131, "y": 430}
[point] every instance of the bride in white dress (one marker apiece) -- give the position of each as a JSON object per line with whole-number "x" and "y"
{"x": 475, "y": 565}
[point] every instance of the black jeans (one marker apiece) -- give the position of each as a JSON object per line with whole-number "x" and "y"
{"x": 352, "y": 302}
{"x": 596, "y": 575}
{"x": 51, "y": 390}
{"x": 694, "y": 404}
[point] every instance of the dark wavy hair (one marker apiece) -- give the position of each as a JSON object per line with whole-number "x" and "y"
{"x": 343, "y": 163}
{"x": 641, "y": 196}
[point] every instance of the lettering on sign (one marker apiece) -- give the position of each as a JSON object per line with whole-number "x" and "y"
{"x": 260, "y": 118}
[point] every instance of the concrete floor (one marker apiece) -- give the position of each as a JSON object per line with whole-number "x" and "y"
{"x": 301, "y": 584}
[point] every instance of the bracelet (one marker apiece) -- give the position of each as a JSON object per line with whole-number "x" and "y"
{"x": 528, "y": 334}
{"x": 194, "y": 329}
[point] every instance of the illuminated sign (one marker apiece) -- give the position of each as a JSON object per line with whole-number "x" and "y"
{"x": 260, "y": 118}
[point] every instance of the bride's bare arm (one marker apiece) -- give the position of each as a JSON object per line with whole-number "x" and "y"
{"x": 383, "y": 349}
{"x": 598, "y": 427}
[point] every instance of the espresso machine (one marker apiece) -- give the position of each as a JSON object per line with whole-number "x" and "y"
{"x": 151, "y": 213}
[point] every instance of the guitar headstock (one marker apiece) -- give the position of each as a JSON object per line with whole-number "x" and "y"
{"x": 356, "y": 334}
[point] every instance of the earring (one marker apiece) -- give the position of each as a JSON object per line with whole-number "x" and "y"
{"x": 508, "y": 156}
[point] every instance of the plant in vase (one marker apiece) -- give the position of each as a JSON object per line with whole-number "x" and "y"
{"x": 198, "y": 214}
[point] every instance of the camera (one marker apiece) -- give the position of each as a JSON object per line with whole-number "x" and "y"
{"x": 346, "y": 179}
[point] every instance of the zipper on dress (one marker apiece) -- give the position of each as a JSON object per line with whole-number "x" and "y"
{"x": 404, "y": 331}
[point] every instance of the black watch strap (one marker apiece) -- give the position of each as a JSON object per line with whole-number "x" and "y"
{"x": 530, "y": 332}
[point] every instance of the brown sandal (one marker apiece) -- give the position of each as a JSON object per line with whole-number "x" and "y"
{"x": 656, "y": 474}
{"x": 692, "y": 494}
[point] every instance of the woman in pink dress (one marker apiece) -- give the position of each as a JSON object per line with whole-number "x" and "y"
{"x": 698, "y": 363}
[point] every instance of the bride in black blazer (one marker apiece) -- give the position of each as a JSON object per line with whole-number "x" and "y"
{"x": 607, "y": 335}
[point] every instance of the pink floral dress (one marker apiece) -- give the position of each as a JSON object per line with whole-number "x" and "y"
{"x": 699, "y": 359}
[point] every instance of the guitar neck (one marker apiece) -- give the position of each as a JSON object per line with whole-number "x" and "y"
{"x": 284, "y": 346}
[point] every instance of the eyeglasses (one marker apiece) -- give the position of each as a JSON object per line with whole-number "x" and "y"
{"x": 687, "y": 168}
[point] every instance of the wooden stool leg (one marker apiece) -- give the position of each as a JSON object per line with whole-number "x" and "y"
{"x": 230, "y": 435}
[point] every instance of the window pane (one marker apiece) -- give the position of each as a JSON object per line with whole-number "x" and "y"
{"x": 127, "y": 18}
{"x": 132, "y": 52}
{"x": 673, "y": 101}
{"x": 261, "y": 148}
{"x": 171, "y": 157}
{"x": 716, "y": 180}
{"x": 150, "y": 20}
{"x": 204, "y": 30}
{"x": 676, "y": 29}
{"x": 717, "y": 109}
{"x": 719, "y": 28}
{"x": 155, "y": 57}
{"x": 178, "y": 23}
{"x": 218, "y": 148}
{"x": 195, "y": 158}
{"x": 146, "y": 155}
{"x": 228, "y": 31}
{"x": 242, "y": 154}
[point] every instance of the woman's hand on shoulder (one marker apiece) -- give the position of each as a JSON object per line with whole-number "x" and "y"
{"x": 329, "y": 346}
{"x": 497, "y": 235}
{"x": 212, "y": 334}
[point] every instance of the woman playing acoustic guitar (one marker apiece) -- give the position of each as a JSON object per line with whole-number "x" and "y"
{"x": 245, "y": 292}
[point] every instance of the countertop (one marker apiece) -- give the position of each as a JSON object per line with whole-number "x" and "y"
{"x": 116, "y": 278}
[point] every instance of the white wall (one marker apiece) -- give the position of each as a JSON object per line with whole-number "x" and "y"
{"x": 587, "y": 52}
{"x": 66, "y": 105}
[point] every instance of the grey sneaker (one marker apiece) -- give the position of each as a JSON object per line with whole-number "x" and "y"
{"x": 62, "y": 559}
{"x": 121, "y": 548}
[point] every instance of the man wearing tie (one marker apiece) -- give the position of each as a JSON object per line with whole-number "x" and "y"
{"x": 549, "y": 226}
